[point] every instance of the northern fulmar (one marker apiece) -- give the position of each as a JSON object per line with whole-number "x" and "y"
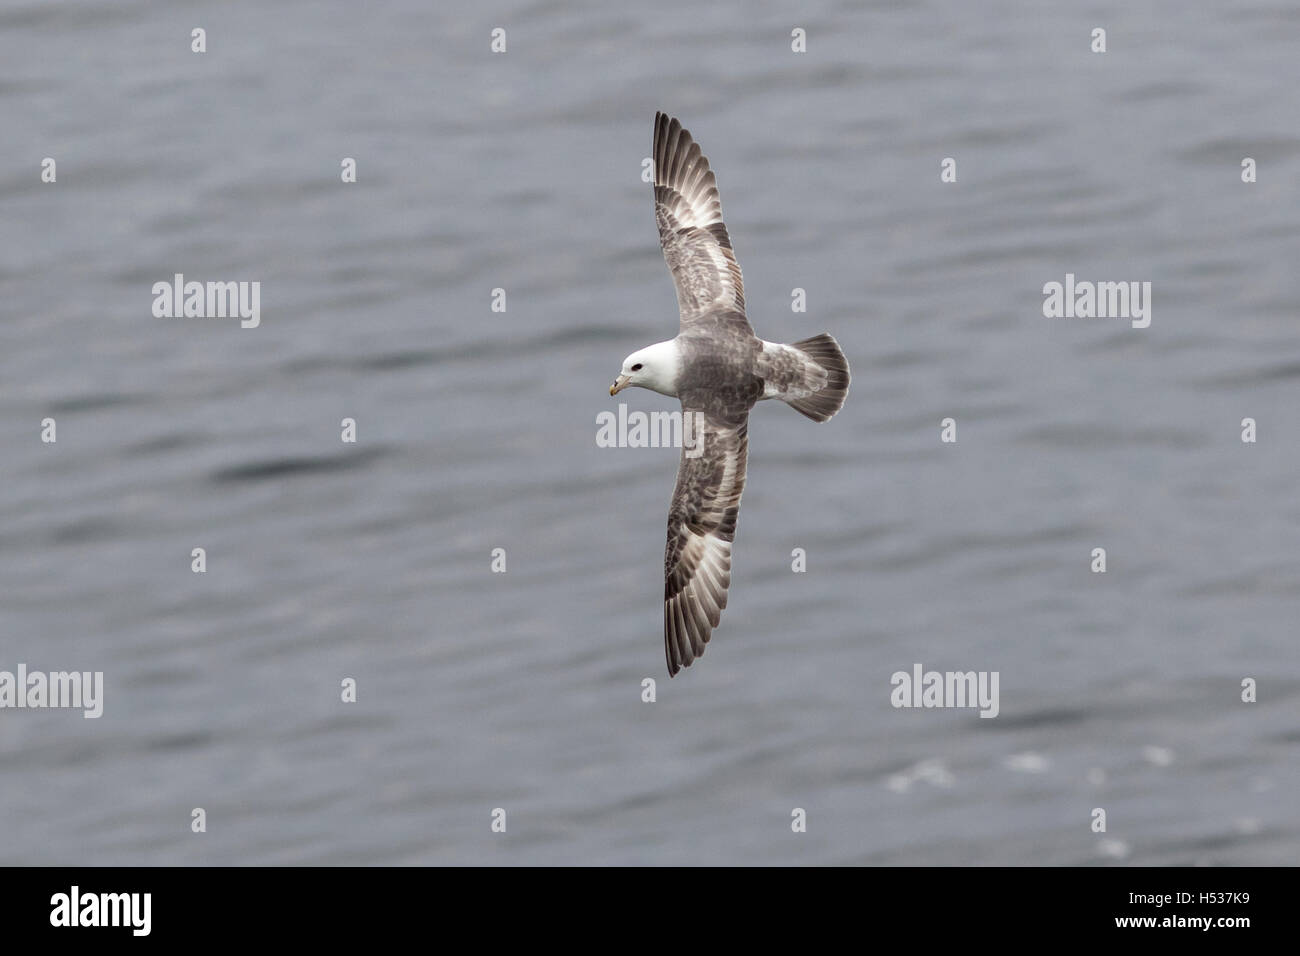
{"x": 718, "y": 368}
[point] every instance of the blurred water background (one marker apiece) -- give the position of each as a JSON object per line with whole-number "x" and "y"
{"x": 477, "y": 430}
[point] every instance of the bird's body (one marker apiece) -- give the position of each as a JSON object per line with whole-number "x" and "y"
{"x": 717, "y": 367}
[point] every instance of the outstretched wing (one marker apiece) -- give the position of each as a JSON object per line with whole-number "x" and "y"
{"x": 691, "y": 231}
{"x": 701, "y": 527}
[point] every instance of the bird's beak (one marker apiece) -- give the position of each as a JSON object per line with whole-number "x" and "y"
{"x": 620, "y": 383}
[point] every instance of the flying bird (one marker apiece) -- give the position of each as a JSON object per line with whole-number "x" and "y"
{"x": 718, "y": 368}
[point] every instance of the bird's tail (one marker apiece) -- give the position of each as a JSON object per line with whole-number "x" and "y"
{"x": 824, "y": 352}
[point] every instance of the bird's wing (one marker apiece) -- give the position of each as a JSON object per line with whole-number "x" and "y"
{"x": 691, "y": 231}
{"x": 701, "y": 527}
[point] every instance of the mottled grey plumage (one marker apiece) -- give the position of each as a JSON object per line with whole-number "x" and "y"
{"x": 724, "y": 368}
{"x": 692, "y": 234}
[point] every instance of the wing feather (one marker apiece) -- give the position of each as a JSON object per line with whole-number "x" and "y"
{"x": 693, "y": 236}
{"x": 701, "y": 529}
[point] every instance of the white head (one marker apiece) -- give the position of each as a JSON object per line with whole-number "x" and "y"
{"x": 654, "y": 367}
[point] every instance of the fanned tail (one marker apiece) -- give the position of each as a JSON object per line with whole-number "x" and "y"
{"x": 824, "y": 352}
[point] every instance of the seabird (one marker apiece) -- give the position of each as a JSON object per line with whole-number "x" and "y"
{"x": 718, "y": 368}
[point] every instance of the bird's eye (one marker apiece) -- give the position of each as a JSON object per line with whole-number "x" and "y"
{"x": 636, "y": 367}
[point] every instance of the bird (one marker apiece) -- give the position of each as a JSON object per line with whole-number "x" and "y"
{"x": 718, "y": 369}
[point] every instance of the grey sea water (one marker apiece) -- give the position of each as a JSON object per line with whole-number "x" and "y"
{"x": 477, "y": 430}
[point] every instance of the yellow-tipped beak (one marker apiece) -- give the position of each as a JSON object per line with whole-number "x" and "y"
{"x": 620, "y": 383}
